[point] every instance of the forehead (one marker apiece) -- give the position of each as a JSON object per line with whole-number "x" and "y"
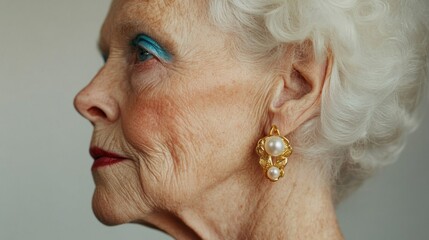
{"x": 152, "y": 13}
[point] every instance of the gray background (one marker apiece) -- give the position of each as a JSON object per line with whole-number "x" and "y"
{"x": 47, "y": 53}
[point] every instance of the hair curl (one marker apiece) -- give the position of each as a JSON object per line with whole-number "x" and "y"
{"x": 379, "y": 75}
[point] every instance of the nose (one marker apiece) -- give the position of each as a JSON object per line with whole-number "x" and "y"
{"x": 96, "y": 102}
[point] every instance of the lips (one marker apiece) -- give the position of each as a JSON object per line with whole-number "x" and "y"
{"x": 103, "y": 158}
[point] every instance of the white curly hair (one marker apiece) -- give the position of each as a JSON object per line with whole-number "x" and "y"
{"x": 379, "y": 76}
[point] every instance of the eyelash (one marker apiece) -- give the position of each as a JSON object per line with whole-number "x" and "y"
{"x": 139, "y": 51}
{"x": 146, "y": 48}
{"x": 142, "y": 54}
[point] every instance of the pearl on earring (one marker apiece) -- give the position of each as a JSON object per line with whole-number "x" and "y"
{"x": 274, "y": 146}
{"x": 273, "y": 151}
{"x": 273, "y": 173}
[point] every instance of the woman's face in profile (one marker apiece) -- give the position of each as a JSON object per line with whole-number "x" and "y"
{"x": 174, "y": 103}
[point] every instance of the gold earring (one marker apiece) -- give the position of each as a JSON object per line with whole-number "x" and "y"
{"x": 273, "y": 151}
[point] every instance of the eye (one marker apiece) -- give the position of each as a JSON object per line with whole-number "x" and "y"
{"x": 147, "y": 48}
{"x": 143, "y": 54}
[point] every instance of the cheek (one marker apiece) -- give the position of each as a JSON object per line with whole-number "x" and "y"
{"x": 229, "y": 123}
{"x": 160, "y": 135}
{"x": 201, "y": 121}
{"x": 149, "y": 124}
{"x": 149, "y": 115}
{"x": 191, "y": 138}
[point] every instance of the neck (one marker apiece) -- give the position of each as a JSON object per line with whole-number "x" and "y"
{"x": 295, "y": 207}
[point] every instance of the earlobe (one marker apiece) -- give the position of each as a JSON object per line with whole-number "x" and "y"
{"x": 299, "y": 89}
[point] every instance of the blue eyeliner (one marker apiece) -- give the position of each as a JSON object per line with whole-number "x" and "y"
{"x": 152, "y": 47}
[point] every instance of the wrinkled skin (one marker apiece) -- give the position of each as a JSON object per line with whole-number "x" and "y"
{"x": 185, "y": 126}
{"x": 189, "y": 127}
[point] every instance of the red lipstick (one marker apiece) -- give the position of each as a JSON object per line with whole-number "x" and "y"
{"x": 103, "y": 158}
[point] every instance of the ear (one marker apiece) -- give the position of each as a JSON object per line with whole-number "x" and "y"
{"x": 298, "y": 88}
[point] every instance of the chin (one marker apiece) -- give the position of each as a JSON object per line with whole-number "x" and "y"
{"x": 107, "y": 210}
{"x": 114, "y": 205}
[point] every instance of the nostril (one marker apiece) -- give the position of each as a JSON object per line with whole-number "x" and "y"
{"x": 97, "y": 112}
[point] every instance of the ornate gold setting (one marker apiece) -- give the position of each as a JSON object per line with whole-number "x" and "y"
{"x": 268, "y": 161}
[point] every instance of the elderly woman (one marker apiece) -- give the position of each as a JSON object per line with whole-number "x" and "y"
{"x": 200, "y": 103}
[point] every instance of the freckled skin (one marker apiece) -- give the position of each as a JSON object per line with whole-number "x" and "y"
{"x": 188, "y": 128}
{"x": 185, "y": 126}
